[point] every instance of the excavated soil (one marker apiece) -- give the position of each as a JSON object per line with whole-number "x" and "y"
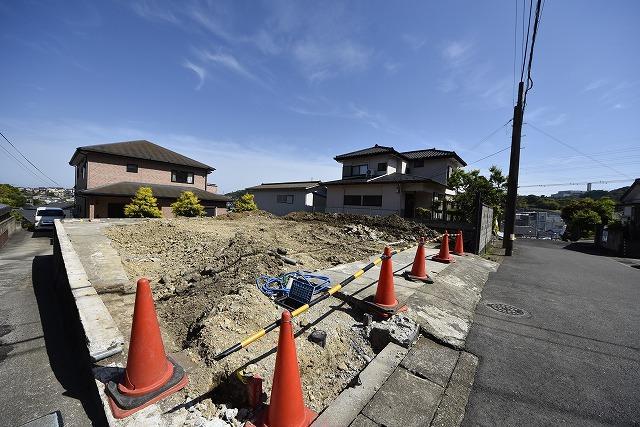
{"x": 203, "y": 273}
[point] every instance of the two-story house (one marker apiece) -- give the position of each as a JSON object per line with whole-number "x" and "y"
{"x": 382, "y": 181}
{"x": 107, "y": 176}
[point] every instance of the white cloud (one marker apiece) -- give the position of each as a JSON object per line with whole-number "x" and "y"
{"x": 271, "y": 160}
{"x": 596, "y": 84}
{"x": 457, "y": 52}
{"x": 413, "y": 41}
{"x": 198, "y": 70}
{"x": 153, "y": 10}
{"x": 322, "y": 60}
{"x": 556, "y": 121}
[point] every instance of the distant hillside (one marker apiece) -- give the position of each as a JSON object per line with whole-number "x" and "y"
{"x": 543, "y": 202}
{"x": 235, "y": 194}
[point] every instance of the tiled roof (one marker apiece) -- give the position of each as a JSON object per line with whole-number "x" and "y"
{"x": 432, "y": 153}
{"x": 143, "y": 150}
{"x": 162, "y": 191}
{"x": 395, "y": 177}
{"x": 300, "y": 185}
{"x": 631, "y": 187}
{"x": 376, "y": 149}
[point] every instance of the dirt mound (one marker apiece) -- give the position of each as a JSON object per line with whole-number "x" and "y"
{"x": 203, "y": 273}
{"x": 389, "y": 227}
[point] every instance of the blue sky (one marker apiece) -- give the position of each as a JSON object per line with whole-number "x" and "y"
{"x": 271, "y": 91}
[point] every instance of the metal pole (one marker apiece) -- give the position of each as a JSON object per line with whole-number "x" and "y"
{"x": 514, "y": 166}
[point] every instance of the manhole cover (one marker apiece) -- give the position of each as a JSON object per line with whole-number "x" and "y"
{"x": 506, "y": 309}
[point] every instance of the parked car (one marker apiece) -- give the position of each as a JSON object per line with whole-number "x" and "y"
{"x": 45, "y": 217}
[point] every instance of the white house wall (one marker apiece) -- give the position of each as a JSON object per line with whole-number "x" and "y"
{"x": 393, "y": 163}
{"x": 267, "y": 201}
{"x": 392, "y": 200}
{"x": 435, "y": 169}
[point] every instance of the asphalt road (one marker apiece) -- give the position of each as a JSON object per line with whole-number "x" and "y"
{"x": 42, "y": 370}
{"x": 574, "y": 359}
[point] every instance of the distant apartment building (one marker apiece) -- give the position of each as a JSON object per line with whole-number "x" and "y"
{"x": 567, "y": 193}
{"x": 539, "y": 224}
{"x": 383, "y": 181}
{"x": 281, "y": 198}
{"x": 107, "y": 176}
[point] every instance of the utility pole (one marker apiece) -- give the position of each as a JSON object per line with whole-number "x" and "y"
{"x": 514, "y": 167}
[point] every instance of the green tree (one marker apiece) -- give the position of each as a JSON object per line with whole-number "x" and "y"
{"x": 468, "y": 184}
{"x": 10, "y": 195}
{"x": 582, "y": 216}
{"x": 187, "y": 205}
{"x": 245, "y": 203}
{"x": 143, "y": 205}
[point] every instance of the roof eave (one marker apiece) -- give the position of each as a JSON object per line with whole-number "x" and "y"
{"x": 86, "y": 150}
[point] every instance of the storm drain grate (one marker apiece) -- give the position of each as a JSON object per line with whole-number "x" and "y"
{"x": 506, "y": 309}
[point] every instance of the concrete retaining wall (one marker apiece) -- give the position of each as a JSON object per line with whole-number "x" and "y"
{"x": 8, "y": 226}
{"x": 102, "y": 336}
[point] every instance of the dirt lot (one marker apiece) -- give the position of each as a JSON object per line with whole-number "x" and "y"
{"x": 203, "y": 273}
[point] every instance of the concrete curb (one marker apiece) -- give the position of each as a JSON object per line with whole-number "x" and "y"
{"x": 103, "y": 338}
{"x": 346, "y": 407}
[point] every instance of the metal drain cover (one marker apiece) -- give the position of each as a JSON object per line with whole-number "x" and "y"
{"x": 507, "y": 309}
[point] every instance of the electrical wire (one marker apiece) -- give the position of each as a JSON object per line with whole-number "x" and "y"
{"x": 278, "y": 286}
{"x": 573, "y": 183}
{"x": 576, "y": 150}
{"x": 22, "y": 165}
{"x": 489, "y": 136}
{"x": 30, "y": 162}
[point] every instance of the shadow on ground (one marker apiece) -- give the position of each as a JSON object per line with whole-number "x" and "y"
{"x": 68, "y": 356}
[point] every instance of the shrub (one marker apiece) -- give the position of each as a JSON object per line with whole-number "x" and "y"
{"x": 143, "y": 205}
{"x": 245, "y": 203}
{"x": 187, "y": 205}
{"x": 423, "y": 212}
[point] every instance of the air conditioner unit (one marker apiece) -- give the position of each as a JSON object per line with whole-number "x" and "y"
{"x": 368, "y": 173}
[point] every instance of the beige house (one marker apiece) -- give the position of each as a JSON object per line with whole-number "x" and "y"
{"x": 108, "y": 175}
{"x": 382, "y": 181}
{"x": 281, "y": 198}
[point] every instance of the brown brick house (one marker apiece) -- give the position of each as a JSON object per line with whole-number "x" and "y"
{"x": 108, "y": 175}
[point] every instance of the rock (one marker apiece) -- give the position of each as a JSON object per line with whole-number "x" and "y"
{"x": 230, "y": 414}
{"x": 343, "y": 366}
{"x": 399, "y": 329}
{"x": 282, "y": 251}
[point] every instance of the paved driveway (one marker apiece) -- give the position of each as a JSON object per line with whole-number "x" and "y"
{"x": 574, "y": 358}
{"x": 39, "y": 368}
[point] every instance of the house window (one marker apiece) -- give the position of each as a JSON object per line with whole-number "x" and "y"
{"x": 132, "y": 167}
{"x": 357, "y": 170}
{"x": 182, "y": 177}
{"x": 419, "y": 163}
{"x": 371, "y": 200}
{"x": 352, "y": 200}
{"x": 285, "y": 198}
{"x": 449, "y": 172}
{"x": 382, "y": 167}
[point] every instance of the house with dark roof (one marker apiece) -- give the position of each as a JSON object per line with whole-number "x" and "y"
{"x": 107, "y": 176}
{"x": 280, "y": 198}
{"x": 382, "y": 181}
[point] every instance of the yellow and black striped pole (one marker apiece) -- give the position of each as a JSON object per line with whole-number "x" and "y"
{"x": 326, "y": 294}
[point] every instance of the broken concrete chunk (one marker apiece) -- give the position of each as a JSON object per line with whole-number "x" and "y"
{"x": 399, "y": 329}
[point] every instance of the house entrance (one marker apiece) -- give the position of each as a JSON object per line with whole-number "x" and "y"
{"x": 409, "y": 205}
{"x": 115, "y": 210}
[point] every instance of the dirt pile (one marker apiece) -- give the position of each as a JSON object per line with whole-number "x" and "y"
{"x": 203, "y": 273}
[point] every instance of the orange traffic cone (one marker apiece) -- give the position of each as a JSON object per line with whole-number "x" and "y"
{"x": 150, "y": 375}
{"x": 444, "y": 255}
{"x": 419, "y": 267}
{"x": 459, "y": 249}
{"x": 286, "y": 406}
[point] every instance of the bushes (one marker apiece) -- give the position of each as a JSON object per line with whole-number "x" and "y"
{"x": 143, "y": 205}
{"x": 245, "y": 203}
{"x": 187, "y": 205}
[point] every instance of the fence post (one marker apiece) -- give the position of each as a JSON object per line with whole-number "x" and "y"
{"x": 478, "y": 224}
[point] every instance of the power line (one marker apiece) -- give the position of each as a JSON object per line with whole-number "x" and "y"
{"x": 573, "y": 183}
{"x": 489, "y": 136}
{"x": 22, "y": 165}
{"x": 515, "y": 44}
{"x": 536, "y": 24}
{"x": 30, "y": 162}
{"x": 577, "y": 151}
